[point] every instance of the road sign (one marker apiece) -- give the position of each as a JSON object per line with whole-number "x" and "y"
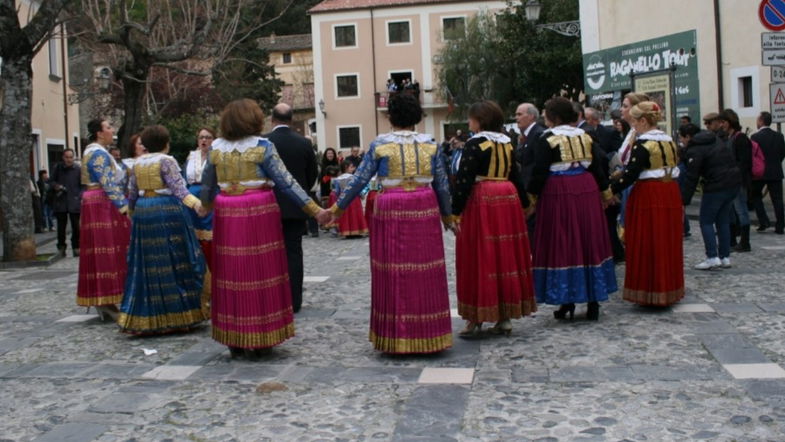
{"x": 773, "y": 57}
{"x": 772, "y": 14}
{"x": 777, "y": 100}
{"x": 772, "y": 40}
{"x": 777, "y": 74}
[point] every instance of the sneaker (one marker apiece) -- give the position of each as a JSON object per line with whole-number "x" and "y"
{"x": 725, "y": 263}
{"x": 708, "y": 264}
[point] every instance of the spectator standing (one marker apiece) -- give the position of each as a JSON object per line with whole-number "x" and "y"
{"x": 773, "y": 146}
{"x": 708, "y": 160}
{"x": 35, "y": 197}
{"x": 526, "y": 116}
{"x": 354, "y": 157}
{"x": 47, "y": 195}
{"x": 742, "y": 149}
{"x": 300, "y": 160}
{"x": 68, "y": 199}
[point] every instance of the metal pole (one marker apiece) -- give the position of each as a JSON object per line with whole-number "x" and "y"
{"x": 718, "y": 44}
{"x": 373, "y": 64}
{"x": 65, "y": 84}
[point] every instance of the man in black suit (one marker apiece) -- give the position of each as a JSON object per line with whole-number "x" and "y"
{"x": 609, "y": 141}
{"x": 581, "y": 122}
{"x": 526, "y": 115}
{"x": 298, "y": 156}
{"x": 609, "y": 138}
{"x": 772, "y": 144}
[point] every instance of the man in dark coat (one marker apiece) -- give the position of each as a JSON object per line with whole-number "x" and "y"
{"x": 299, "y": 158}
{"x": 66, "y": 181}
{"x": 772, "y": 144}
{"x": 526, "y": 116}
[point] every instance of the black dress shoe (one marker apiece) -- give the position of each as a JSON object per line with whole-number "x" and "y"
{"x": 763, "y": 227}
{"x": 779, "y": 231}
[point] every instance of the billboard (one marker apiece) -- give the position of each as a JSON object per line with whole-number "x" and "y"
{"x": 609, "y": 70}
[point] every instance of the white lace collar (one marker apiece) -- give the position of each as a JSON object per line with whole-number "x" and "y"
{"x": 153, "y": 158}
{"x": 567, "y": 130}
{"x": 655, "y": 135}
{"x": 92, "y": 147}
{"x": 405, "y": 136}
{"x": 496, "y": 137}
{"x": 240, "y": 145}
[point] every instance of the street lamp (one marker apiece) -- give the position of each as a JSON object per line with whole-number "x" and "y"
{"x": 532, "y": 9}
{"x": 321, "y": 107}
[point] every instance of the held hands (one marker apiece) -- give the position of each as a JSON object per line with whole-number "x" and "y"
{"x": 200, "y": 210}
{"x": 324, "y": 217}
{"x": 529, "y": 211}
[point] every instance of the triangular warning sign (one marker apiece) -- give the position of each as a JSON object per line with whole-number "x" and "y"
{"x": 780, "y": 97}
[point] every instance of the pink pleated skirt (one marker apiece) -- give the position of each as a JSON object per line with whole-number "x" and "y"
{"x": 410, "y": 308}
{"x": 105, "y": 234}
{"x": 251, "y": 299}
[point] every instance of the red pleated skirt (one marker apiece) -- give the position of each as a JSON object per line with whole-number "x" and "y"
{"x": 251, "y": 304}
{"x": 653, "y": 232}
{"x": 410, "y": 306}
{"x": 105, "y": 234}
{"x": 352, "y": 222}
{"x": 370, "y": 201}
{"x": 493, "y": 259}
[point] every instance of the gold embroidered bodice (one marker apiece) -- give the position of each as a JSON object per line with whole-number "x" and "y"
{"x": 661, "y": 154}
{"x": 572, "y": 148}
{"x": 406, "y": 160}
{"x": 148, "y": 176}
{"x": 235, "y": 166}
{"x": 500, "y": 161}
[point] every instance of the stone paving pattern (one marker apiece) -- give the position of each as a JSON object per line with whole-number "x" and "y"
{"x": 710, "y": 368}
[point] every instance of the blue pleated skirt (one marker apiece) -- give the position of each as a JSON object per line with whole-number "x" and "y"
{"x": 165, "y": 269}
{"x": 202, "y": 226}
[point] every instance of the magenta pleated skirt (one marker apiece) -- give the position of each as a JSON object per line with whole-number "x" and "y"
{"x": 410, "y": 307}
{"x": 251, "y": 299}
{"x": 105, "y": 234}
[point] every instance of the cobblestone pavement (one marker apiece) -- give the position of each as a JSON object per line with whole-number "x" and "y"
{"x": 709, "y": 368}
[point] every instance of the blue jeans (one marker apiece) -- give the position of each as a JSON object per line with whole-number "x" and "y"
{"x": 716, "y": 211}
{"x": 49, "y": 222}
{"x": 740, "y": 204}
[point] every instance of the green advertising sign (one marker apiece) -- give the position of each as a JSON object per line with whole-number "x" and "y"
{"x": 609, "y": 70}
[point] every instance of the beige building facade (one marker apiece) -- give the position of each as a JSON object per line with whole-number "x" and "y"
{"x": 726, "y": 51}
{"x": 292, "y": 58}
{"x": 55, "y": 122}
{"x": 359, "y": 44}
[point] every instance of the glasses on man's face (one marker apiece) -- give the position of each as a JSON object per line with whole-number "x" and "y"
{"x": 205, "y": 137}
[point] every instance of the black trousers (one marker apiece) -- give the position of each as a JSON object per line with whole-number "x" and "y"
{"x": 775, "y": 193}
{"x": 62, "y": 221}
{"x": 293, "y": 230}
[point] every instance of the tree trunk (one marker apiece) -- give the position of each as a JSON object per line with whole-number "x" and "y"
{"x": 134, "y": 92}
{"x": 15, "y": 146}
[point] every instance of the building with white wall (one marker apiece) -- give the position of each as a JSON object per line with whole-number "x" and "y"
{"x": 715, "y": 46}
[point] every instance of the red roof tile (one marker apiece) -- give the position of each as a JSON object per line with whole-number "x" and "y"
{"x": 343, "y": 5}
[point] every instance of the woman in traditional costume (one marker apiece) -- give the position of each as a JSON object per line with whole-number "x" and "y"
{"x": 492, "y": 256}
{"x": 573, "y": 262}
{"x": 104, "y": 227}
{"x": 192, "y": 169}
{"x": 622, "y": 157}
{"x": 165, "y": 263}
{"x": 655, "y": 263}
{"x": 410, "y": 308}
{"x": 251, "y": 305}
{"x": 352, "y": 223}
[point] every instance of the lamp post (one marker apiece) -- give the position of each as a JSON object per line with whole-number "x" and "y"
{"x": 532, "y": 8}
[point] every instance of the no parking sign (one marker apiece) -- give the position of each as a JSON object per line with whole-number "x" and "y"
{"x": 772, "y": 14}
